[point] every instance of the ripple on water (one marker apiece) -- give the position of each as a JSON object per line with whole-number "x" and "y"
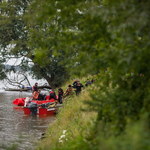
{"x": 15, "y": 128}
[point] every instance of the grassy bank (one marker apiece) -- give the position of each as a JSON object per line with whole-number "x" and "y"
{"x": 76, "y": 127}
{"x": 72, "y": 126}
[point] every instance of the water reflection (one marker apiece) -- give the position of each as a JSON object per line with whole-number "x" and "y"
{"x": 15, "y": 127}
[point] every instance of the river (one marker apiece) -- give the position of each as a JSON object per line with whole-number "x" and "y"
{"x": 16, "y": 129}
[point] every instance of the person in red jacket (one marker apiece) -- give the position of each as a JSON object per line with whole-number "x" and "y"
{"x": 51, "y": 95}
{"x": 35, "y": 95}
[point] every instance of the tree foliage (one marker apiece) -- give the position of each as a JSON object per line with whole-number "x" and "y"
{"x": 106, "y": 37}
{"x": 16, "y": 40}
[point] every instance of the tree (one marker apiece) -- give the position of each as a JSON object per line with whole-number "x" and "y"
{"x": 2, "y": 72}
{"x": 111, "y": 37}
{"x": 13, "y": 35}
{"x": 56, "y": 22}
{"x": 15, "y": 42}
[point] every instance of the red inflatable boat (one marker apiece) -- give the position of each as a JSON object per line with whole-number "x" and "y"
{"x": 21, "y": 102}
{"x": 40, "y": 110}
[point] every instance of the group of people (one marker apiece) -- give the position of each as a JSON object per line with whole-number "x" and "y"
{"x": 37, "y": 95}
{"x": 76, "y": 88}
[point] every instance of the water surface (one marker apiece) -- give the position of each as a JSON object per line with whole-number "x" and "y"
{"x": 16, "y": 128}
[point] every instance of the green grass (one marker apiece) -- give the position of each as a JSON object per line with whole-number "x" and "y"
{"x": 76, "y": 129}
{"x": 74, "y": 120}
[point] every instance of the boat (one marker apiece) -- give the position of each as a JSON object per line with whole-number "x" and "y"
{"x": 40, "y": 111}
{"x": 21, "y": 101}
{"x": 50, "y": 109}
{"x": 26, "y": 89}
{"x": 20, "y": 90}
{"x": 42, "y": 107}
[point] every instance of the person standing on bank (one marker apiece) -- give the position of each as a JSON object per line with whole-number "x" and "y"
{"x": 79, "y": 87}
{"x": 69, "y": 91}
{"x": 75, "y": 83}
{"x": 60, "y": 95}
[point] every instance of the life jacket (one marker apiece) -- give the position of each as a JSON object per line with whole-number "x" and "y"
{"x": 47, "y": 97}
{"x": 35, "y": 95}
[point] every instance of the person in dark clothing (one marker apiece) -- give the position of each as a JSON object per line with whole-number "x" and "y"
{"x": 75, "y": 83}
{"x": 79, "y": 87}
{"x": 93, "y": 80}
{"x": 35, "y": 87}
{"x": 33, "y": 108}
{"x": 60, "y": 95}
{"x": 41, "y": 96}
{"x": 88, "y": 82}
{"x": 52, "y": 95}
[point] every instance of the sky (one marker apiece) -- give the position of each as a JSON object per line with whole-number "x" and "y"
{"x": 15, "y": 62}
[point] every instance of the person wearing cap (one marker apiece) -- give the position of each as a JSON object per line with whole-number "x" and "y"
{"x": 79, "y": 87}
{"x": 52, "y": 95}
{"x": 75, "y": 83}
{"x": 35, "y": 87}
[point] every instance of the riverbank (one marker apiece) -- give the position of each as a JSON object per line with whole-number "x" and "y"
{"x": 73, "y": 124}
{"x": 77, "y": 127}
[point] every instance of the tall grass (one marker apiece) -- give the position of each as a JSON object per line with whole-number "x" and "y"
{"x": 72, "y": 125}
{"x": 77, "y": 129}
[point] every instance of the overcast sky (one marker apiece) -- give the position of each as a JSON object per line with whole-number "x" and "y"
{"x": 14, "y": 61}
